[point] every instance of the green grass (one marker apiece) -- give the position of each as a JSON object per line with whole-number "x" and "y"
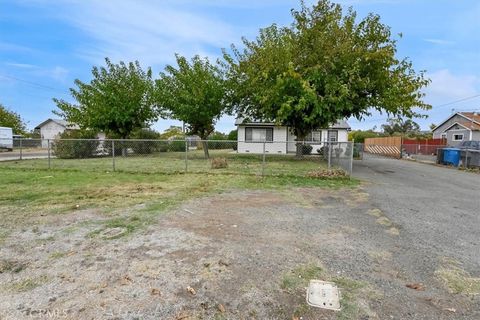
{"x": 26, "y": 195}
{"x": 300, "y": 277}
{"x": 27, "y": 284}
{"x": 173, "y": 162}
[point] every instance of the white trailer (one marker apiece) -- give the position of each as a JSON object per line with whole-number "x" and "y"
{"x": 6, "y": 138}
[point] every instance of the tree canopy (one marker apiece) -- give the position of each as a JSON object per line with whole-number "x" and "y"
{"x": 324, "y": 67}
{"x": 117, "y": 101}
{"x": 11, "y": 119}
{"x": 192, "y": 92}
{"x": 401, "y": 127}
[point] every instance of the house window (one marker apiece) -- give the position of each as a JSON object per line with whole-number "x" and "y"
{"x": 314, "y": 136}
{"x": 332, "y": 135}
{"x": 258, "y": 134}
{"x": 458, "y": 137}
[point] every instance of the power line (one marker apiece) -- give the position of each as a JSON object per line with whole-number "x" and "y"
{"x": 457, "y": 101}
{"x": 31, "y": 83}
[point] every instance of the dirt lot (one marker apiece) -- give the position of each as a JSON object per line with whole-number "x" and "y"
{"x": 247, "y": 255}
{"x": 229, "y": 254}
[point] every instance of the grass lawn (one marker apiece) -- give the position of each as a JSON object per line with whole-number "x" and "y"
{"x": 28, "y": 194}
{"x": 174, "y": 162}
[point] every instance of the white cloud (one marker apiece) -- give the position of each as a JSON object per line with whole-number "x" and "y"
{"x": 145, "y": 30}
{"x": 439, "y": 41}
{"x": 21, "y": 65}
{"x": 446, "y": 85}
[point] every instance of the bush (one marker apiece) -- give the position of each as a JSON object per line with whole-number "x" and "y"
{"x": 306, "y": 148}
{"x": 327, "y": 174}
{"x": 145, "y": 147}
{"x": 219, "y": 163}
{"x": 76, "y": 149}
{"x": 233, "y": 135}
{"x": 176, "y": 146}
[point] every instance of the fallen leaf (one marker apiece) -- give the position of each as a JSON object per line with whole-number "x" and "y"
{"x": 126, "y": 280}
{"x": 221, "y": 308}
{"x": 450, "y": 309}
{"x": 155, "y": 292}
{"x": 191, "y": 290}
{"x": 416, "y": 286}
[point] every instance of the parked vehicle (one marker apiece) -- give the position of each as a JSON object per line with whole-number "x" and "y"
{"x": 6, "y": 138}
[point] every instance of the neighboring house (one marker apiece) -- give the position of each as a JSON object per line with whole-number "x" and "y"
{"x": 461, "y": 126}
{"x": 53, "y": 128}
{"x": 281, "y": 140}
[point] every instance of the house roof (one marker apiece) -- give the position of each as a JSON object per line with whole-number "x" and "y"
{"x": 472, "y": 120}
{"x": 61, "y": 122}
{"x": 341, "y": 124}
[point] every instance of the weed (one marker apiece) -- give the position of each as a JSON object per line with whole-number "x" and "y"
{"x": 219, "y": 163}
{"x": 11, "y": 266}
{"x": 28, "y": 284}
{"x": 300, "y": 277}
{"x": 457, "y": 280}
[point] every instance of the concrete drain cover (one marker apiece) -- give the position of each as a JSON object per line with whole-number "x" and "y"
{"x": 322, "y": 294}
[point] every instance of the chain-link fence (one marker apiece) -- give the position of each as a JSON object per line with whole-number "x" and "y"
{"x": 420, "y": 152}
{"x": 170, "y": 156}
{"x": 470, "y": 158}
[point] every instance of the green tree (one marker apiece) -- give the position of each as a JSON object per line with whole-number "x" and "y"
{"x": 401, "y": 127}
{"x": 359, "y": 136}
{"x": 172, "y": 132}
{"x": 11, "y": 119}
{"x": 117, "y": 101}
{"x": 233, "y": 135}
{"x": 324, "y": 67}
{"x": 193, "y": 92}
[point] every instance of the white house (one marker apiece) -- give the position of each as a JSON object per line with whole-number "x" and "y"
{"x": 281, "y": 140}
{"x": 53, "y": 128}
{"x": 461, "y": 126}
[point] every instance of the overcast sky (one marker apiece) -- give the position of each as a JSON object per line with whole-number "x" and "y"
{"x": 46, "y": 44}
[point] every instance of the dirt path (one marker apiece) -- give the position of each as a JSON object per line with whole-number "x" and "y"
{"x": 242, "y": 255}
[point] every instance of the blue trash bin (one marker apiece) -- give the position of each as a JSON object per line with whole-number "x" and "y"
{"x": 451, "y": 156}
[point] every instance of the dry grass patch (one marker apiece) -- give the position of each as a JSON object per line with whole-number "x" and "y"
{"x": 456, "y": 279}
{"x": 384, "y": 221}
{"x": 393, "y": 231}
{"x": 27, "y": 284}
{"x": 375, "y": 212}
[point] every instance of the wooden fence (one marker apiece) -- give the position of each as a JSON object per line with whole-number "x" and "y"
{"x": 386, "y": 146}
{"x": 394, "y": 146}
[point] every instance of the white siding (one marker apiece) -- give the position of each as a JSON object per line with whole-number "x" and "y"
{"x": 50, "y": 130}
{"x": 282, "y": 137}
{"x": 278, "y": 146}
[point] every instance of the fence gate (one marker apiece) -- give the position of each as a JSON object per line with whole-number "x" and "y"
{"x": 389, "y": 147}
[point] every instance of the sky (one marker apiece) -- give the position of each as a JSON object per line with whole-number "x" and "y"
{"x": 46, "y": 44}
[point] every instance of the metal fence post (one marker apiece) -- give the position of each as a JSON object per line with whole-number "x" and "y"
{"x": 263, "y": 159}
{"x": 465, "y": 165}
{"x": 113, "y": 155}
{"x": 48, "y": 147}
{"x": 351, "y": 157}
{"x": 186, "y": 156}
{"x": 329, "y": 148}
{"x": 21, "y": 151}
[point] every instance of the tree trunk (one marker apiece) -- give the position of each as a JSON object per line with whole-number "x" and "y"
{"x": 205, "y": 148}
{"x": 299, "y": 145}
{"x": 124, "y": 148}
